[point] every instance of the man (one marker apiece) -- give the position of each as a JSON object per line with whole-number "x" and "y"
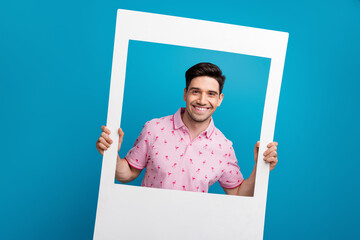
{"x": 185, "y": 151}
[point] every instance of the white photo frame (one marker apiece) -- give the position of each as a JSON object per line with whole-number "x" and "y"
{"x": 129, "y": 212}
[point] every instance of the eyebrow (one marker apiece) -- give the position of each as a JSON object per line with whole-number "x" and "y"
{"x": 213, "y": 92}
{"x": 195, "y": 88}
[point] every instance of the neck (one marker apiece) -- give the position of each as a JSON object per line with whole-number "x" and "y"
{"x": 195, "y": 128}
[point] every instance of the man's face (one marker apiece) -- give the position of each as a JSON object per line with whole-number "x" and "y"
{"x": 202, "y": 98}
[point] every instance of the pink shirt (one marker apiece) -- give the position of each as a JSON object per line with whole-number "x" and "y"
{"x": 173, "y": 161}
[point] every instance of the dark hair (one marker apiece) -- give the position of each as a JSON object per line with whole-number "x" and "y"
{"x": 205, "y": 69}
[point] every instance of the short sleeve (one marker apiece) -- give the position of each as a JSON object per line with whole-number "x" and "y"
{"x": 231, "y": 177}
{"x": 138, "y": 154}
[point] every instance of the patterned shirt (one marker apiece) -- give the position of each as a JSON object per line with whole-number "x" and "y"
{"x": 173, "y": 161}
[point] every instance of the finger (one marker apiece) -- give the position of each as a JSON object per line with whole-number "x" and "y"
{"x": 106, "y": 137}
{"x": 272, "y": 144}
{"x": 121, "y": 134}
{"x": 272, "y": 165}
{"x": 256, "y": 148}
{"x": 269, "y": 150}
{"x": 102, "y": 146}
{"x": 98, "y": 148}
{"x": 101, "y": 151}
{"x": 105, "y": 129}
{"x": 102, "y": 140}
{"x": 273, "y": 154}
{"x": 271, "y": 159}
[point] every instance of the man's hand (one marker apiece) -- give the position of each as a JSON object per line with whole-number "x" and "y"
{"x": 270, "y": 155}
{"x": 104, "y": 141}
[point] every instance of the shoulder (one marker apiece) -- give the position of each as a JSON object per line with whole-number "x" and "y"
{"x": 162, "y": 120}
{"x": 156, "y": 123}
{"x": 220, "y": 137}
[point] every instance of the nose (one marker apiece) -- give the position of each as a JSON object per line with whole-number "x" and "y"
{"x": 202, "y": 99}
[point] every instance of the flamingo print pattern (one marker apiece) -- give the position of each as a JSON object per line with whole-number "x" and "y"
{"x": 177, "y": 162}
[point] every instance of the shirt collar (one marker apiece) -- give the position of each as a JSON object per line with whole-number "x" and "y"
{"x": 178, "y": 123}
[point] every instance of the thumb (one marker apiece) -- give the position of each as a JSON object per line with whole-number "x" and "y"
{"x": 256, "y": 150}
{"x": 121, "y": 137}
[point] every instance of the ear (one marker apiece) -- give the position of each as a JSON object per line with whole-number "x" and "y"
{"x": 221, "y": 97}
{"x": 185, "y": 94}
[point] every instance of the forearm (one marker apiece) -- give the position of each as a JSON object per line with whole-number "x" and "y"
{"x": 124, "y": 172}
{"x": 247, "y": 187}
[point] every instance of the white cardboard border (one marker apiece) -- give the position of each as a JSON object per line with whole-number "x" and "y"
{"x": 128, "y": 212}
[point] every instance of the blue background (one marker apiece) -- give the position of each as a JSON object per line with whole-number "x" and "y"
{"x": 55, "y": 64}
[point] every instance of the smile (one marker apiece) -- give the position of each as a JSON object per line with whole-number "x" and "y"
{"x": 201, "y": 109}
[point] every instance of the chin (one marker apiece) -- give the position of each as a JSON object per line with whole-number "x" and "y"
{"x": 200, "y": 119}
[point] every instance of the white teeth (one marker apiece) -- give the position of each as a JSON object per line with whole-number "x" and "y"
{"x": 200, "y": 108}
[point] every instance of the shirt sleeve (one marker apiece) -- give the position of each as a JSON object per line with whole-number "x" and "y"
{"x": 138, "y": 155}
{"x": 232, "y": 176}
